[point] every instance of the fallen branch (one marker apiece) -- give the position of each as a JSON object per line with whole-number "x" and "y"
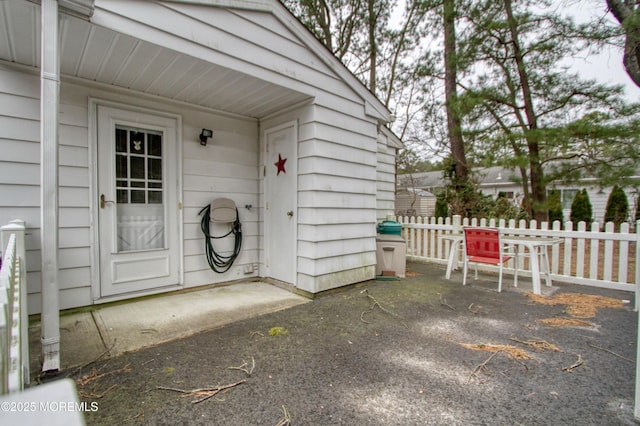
{"x": 96, "y": 395}
{"x": 93, "y": 376}
{"x": 245, "y": 367}
{"x": 443, "y": 302}
{"x": 611, "y": 352}
{"x": 83, "y": 382}
{"x": 106, "y": 351}
{"x": 481, "y": 366}
{"x": 578, "y": 363}
{"x": 205, "y": 393}
{"x": 376, "y": 303}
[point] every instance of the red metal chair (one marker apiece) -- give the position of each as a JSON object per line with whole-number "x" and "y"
{"x": 482, "y": 245}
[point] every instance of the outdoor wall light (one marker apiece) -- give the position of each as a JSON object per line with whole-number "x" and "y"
{"x": 204, "y": 135}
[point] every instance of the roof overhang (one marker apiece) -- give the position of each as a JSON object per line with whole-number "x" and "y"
{"x": 109, "y": 49}
{"x": 96, "y": 54}
{"x": 386, "y": 136}
{"x": 373, "y": 106}
{"x": 80, "y": 8}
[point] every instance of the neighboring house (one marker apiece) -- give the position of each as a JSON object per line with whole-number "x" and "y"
{"x": 496, "y": 180}
{"x": 298, "y": 143}
{"x": 415, "y": 202}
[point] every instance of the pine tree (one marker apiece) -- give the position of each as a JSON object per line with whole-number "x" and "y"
{"x": 555, "y": 206}
{"x": 442, "y": 210}
{"x": 581, "y": 210}
{"x": 617, "y": 210}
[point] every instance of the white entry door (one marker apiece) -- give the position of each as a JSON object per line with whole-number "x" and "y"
{"x": 281, "y": 201}
{"x": 138, "y": 212}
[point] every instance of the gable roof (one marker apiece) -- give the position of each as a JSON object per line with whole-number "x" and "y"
{"x": 373, "y": 105}
{"x": 213, "y": 48}
{"x": 487, "y": 176}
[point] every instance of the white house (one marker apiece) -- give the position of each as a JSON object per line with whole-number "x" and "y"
{"x": 121, "y": 120}
{"x": 496, "y": 180}
{"x": 415, "y": 202}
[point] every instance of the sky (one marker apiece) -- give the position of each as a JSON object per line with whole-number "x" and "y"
{"x": 605, "y": 67}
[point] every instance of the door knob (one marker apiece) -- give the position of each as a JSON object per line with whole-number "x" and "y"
{"x": 290, "y": 213}
{"x": 103, "y": 201}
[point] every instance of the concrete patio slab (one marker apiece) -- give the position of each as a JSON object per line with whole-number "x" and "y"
{"x": 79, "y": 339}
{"x": 148, "y": 322}
{"x": 113, "y": 329}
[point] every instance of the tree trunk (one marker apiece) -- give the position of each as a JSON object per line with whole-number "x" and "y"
{"x": 373, "y": 46}
{"x": 536, "y": 173}
{"x": 627, "y": 17}
{"x": 454, "y": 122}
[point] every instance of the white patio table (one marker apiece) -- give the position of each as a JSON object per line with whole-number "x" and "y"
{"x": 537, "y": 247}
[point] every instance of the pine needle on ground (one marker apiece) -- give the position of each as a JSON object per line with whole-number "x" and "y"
{"x": 512, "y": 351}
{"x": 565, "y": 322}
{"x": 578, "y": 305}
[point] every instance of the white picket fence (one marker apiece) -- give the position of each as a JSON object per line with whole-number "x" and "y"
{"x": 14, "y": 337}
{"x": 590, "y": 257}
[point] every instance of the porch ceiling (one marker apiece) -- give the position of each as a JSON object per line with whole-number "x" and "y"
{"x": 97, "y": 54}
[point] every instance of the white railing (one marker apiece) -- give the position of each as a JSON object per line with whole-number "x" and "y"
{"x": 591, "y": 257}
{"x": 14, "y": 337}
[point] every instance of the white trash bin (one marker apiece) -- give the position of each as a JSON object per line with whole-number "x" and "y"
{"x": 391, "y": 255}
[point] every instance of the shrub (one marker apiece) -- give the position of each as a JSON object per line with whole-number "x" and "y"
{"x": 441, "y": 209}
{"x": 581, "y": 210}
{"x": 503, "y": 208}
{"x": 555, "y": 206}
{"x": 617, "y": 210}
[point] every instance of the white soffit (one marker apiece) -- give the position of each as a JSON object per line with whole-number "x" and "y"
{"x": 93, "y": 53}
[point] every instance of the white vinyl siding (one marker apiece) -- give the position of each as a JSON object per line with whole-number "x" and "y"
{"x": 121, "y": 55}
{"x": 386, "y": 179}
{"x": 226, "y": 167}
{"x": 20, "y": 165}
{"x": 336, "y": 199}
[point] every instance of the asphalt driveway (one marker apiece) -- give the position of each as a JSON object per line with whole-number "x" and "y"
{"x": 384, "y": 353}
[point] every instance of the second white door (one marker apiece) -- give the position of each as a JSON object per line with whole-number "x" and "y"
{"x": 281, "y": 201}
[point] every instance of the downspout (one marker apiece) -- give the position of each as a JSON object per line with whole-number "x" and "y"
{"x": 49, "y": 106}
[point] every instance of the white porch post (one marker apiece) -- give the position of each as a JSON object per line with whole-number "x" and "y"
{"x": 49, "y": 105}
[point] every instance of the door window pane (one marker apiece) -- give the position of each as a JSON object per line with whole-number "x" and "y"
{"x": 137, "y": 167}
{"x": 155, "y": 145}
{"x": 121, "y": 140}
{"x": 155, "y": 169}
{"x": 137, "y": 197}
{"x": 139, "y": 189}
{"x": 121, "y": 167}
{"x": 136, "y": 145}
{"x": 155, "y": 197}
{"x": 122, "y": 196}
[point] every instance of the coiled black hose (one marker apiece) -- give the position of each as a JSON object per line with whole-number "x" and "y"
{"x": 218, "y": 262}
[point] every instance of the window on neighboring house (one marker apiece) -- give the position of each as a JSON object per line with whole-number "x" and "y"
{"x": 507, "y": 194}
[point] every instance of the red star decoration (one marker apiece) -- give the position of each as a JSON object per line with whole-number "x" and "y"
{"x": 280, "y": 164}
